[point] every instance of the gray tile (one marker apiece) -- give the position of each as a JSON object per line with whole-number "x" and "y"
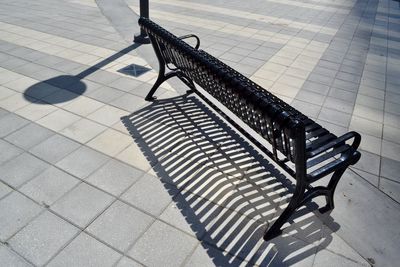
{"x": 9, "y": 258}
{"x": 338, "y": 104}
{"x": 120, "y": 225}
{"x": 127, "y": 262}
{"x": 125, "y": 84}
{"x": 82, "y": 204}
{"x": 310, "y": 97}
{"x": 114, "y": 177}
{"x": 129, "y": 102}
{"x": 106, "y": 94}
{"x": 42, "y": 238}
{"x": 21, "y": 169}
{"x": 391, "y": 150}
{"x": 327, "y": 258}
{"x": 343, "y": 94}
{"x": 142, "y": 193}
{"x": 316, "y": 87}
{"x": 10, "y": 123}
{"x": 391, "y": 188}
{"x": 15, "y": 212}
{"x": 208, "y": 256}
{"x": 369, "y": 162}
{"x": 8, "y": 151}
{"x": 86, "y": 251}
{"x": 49, "y": 186}
{"x": 82, "y": 162}
{"x": 390, "y": 169}
{"x": 54, "y": 148}
{"x": 29, "y": 136}
{"x": 334, "y": 116}
{"x": 4, "y": 190}
{"x": 163, "y": 245}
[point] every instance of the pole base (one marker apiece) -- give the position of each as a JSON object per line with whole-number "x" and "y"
{"x": 141, "y": 39}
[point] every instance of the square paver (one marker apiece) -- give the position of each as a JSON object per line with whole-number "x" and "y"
{"x": 29, "y": 136}
{"x": 10, "y": 258}
{"x": 86, "y": 251}
{"x": 142, "y": 195}
{"x": 114, "y": 177}
{"x": 82, "y": 162}
{"x": 127, "y": 262}
{"x": 21, "y": 169}
{"x": 4, "y": 190}
{"x": 49, "y": 186}
{"x": 8, "y": 151}
{"x": 58, "y": 120}
{"x": 105, "y": 94}
{"x": 110, "y": 142}
{"x": 82, "y": 204}
{"x": 36, "y": 110}
{"x": 120, "y": 225}
{"x": 83, "y": 130}
{"x": 54, "y": 148}
{"x": 10, "y": 123}
{"x": 83, "y": 106}
{"x": 107, "y": 115}
{"x": 16, "y": 102}
{"x": 42, "y": 238}
{"x": 16, "y": 211}
{"x": 163, "y": 245}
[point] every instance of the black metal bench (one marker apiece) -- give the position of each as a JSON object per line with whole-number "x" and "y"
{"x": 303, "y": 148}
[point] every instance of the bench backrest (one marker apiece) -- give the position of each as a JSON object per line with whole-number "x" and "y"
{"x": 266, "y": 114}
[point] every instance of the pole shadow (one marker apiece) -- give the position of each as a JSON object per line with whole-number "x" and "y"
{"x": 226, "y": 190}
{"x": 72, "y": 83}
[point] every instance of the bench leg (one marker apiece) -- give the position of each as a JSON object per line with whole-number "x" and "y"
{"x": 330, "y": 204}
{"x": 275, "y": 229}
{"x": 161, "y": 78}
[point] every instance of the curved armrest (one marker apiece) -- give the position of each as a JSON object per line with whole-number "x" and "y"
{"x": 339, "y": 140}
{"x": 191, "y": 36}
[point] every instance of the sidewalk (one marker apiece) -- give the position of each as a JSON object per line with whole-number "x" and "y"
{"x": 93, "y": 175}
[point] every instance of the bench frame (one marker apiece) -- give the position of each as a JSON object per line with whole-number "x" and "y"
{"x": 304, "y": 192}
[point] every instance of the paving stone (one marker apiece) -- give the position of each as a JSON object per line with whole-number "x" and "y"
{"x": 49, "y": 186}
{"x": 366, "y": 126}
{"x": 308, "y": 109}
{"x": 83, "y": 106}
{"x": 58, "y": 120}
{"x": 391, "y": 150}
{"x": 82, "y": 162}
{"x": 106, "y": 94}
{"x": 83, "y": 130}
{"x": 107, "y": 115}
{"x": 10, "y": 123}
{"x": 338, "y": 104}
{"x": 208, "y": 256}
{"x": 334, "y": 116}
{"x": 120, "y": 225}
{"x": 86, "y": 251}
{"x": 42, "y": 238}
{"x": 125, "y": 84}
{"x": 129, "y": 102}
{"x": 82, "y": 204}
{"x": 163, "y": 245}
{"x": 15, "y": 211}
{"x": 29, "y": 136}
{"x": 9, "y": 258}
{"x": 390, "y": 187}
{"x": 5, "y": 92}
{"x": 54, "y": 148}
{"x": 142, "y": 193}
{"x": 8, "y": 151}
{"x": 36, "y": 110}
{"x": 127, "y": 262}
{"x": 114, "y": 177}
{"x": 110, "y": 142}
{"x": 4, "y": 190}
{"x": 21, "y": 169}
{"x": 327, "y": 258}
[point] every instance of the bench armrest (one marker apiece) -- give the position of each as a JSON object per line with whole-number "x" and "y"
{"x": 191, "y": 36}
{"x": 339, "y": 140}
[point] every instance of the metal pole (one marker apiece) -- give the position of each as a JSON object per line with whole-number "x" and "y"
{"x": 142, "y": 37}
